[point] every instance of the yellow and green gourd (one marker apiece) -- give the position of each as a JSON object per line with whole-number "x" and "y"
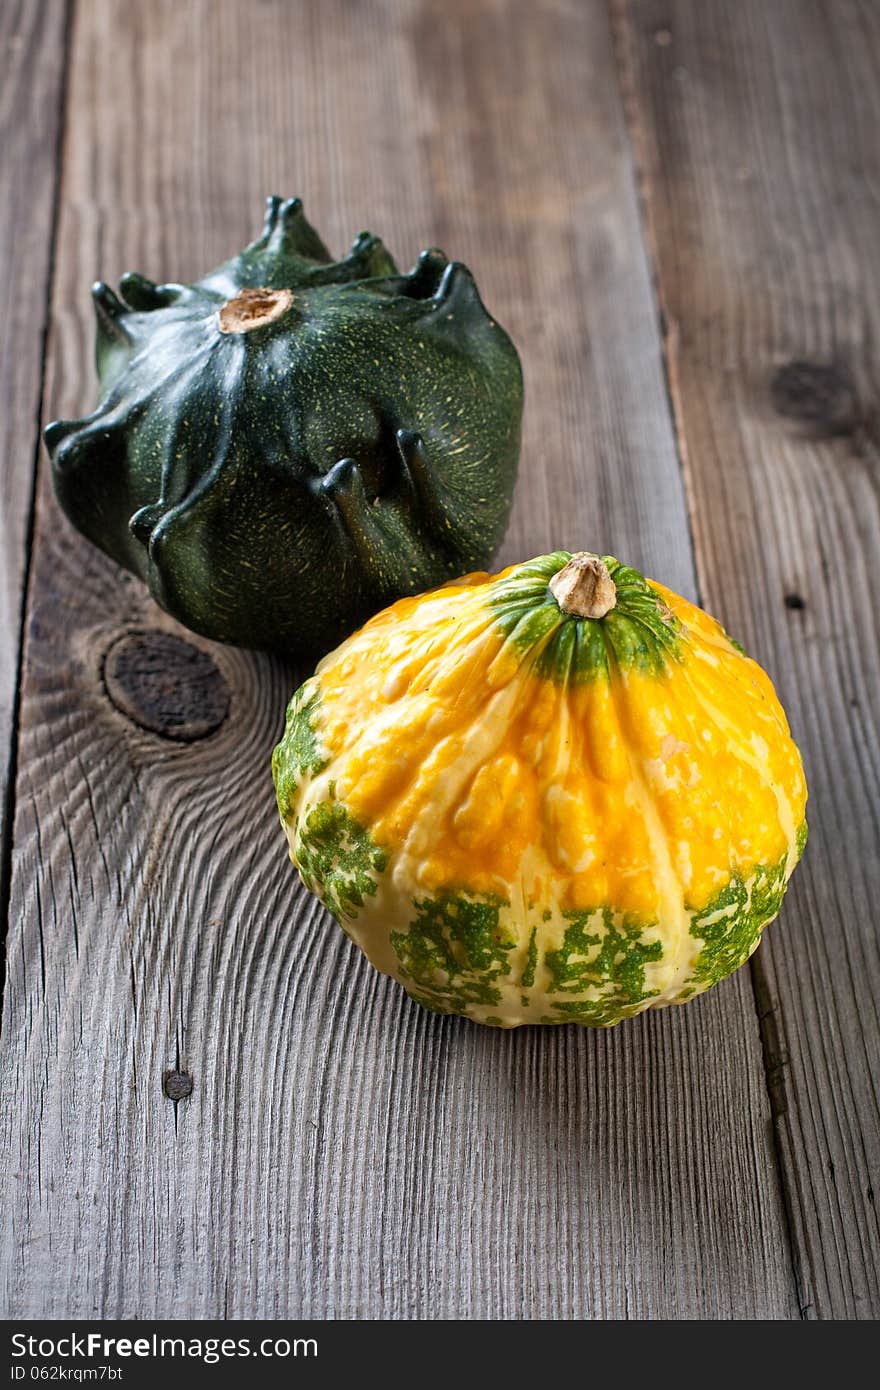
{"x": 559, "y": 794}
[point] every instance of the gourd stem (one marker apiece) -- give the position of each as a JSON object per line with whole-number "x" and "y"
{"x": 253, "y": 308}
{"x": 584, "y": 588}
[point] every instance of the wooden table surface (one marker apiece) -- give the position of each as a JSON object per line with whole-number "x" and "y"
{"x": 675, "y": 209}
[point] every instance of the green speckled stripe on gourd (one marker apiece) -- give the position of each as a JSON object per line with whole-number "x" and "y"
{"x": 452, "y": 952}
{"x": 338, "y": 859}
{"x": 298, "y": 754}
{"x": 457, "y": 953}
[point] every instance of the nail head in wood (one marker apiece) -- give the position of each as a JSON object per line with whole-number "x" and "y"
{"x": 177, "y": 1085}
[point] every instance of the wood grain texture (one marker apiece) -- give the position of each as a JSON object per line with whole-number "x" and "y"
{"x": 32, "y": 53}
{"x": 343, "y": 1153}
{"x": 758, "y": 130}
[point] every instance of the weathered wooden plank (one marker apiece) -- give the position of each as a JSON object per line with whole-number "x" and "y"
{"x": 343, "y": 1153}
{"x": 31, "y": 82}
{"x": 758, "y": 126}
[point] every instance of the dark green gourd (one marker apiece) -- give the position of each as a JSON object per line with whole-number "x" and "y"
{"x": 286, "y": 446}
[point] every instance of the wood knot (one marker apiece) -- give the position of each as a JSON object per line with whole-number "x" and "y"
{"x": 166, "y": 685}
{"x": 177, "y": 1085}
{"x": 819, "y": 395}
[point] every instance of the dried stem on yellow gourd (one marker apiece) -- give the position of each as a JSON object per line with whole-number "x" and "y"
{"x": 253, "y": 308}
{"x": 584, "y": 587}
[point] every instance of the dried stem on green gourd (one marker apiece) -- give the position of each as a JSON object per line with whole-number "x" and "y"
{"x": 584, "y": 588}
{"x": 253, "y": 308}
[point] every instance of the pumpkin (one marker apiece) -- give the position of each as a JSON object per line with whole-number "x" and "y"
{"x": 557, "y": 794}
{"x": 289, "y": 444}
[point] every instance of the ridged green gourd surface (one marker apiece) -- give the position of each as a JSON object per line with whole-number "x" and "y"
{"x": 292, "y": 442}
